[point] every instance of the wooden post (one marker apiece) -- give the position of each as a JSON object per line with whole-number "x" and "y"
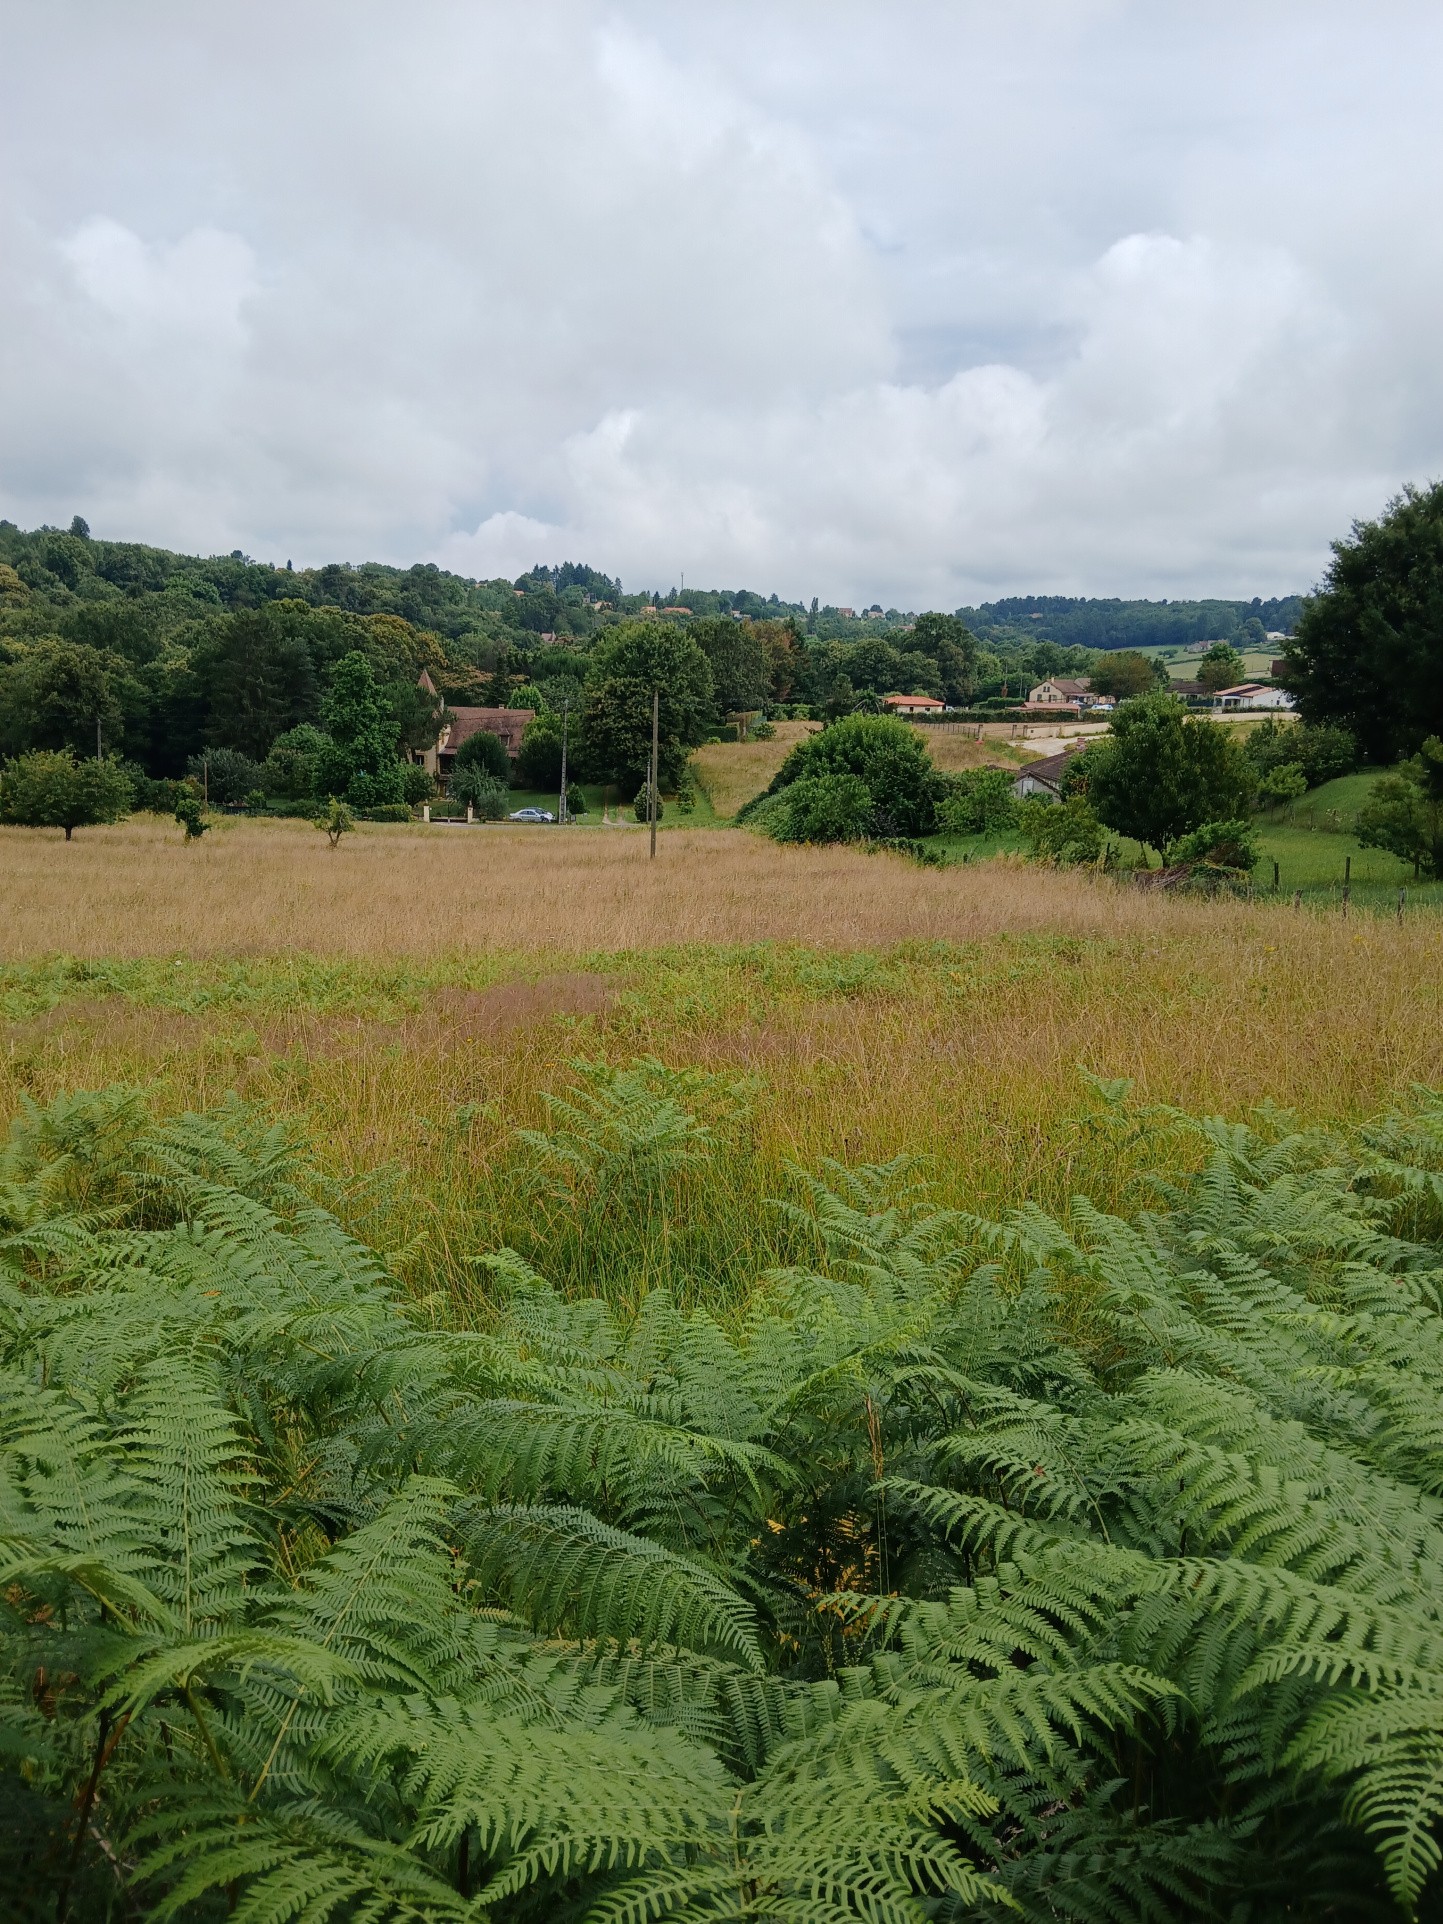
{"x": 1275, "y": 878}
{"x": 1347, "y": 883}
{"x": 652, "y": 785}
{"x": 1297, "y": 898}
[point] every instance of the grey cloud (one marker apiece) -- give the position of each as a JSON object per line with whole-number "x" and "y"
{"x": 920, "y": 302}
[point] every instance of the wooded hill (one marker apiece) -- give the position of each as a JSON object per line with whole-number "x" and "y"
{"x": 169, "y": 655}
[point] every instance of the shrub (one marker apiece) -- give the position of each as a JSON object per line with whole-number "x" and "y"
{"x": 1221, "y": 850}
{"x": 575, "y": 800}
{"x": 190, "y": 813}
{"x": 226, "y": 776}
{"x": 151, "y": 795}
{"x": 486, "y": 754}
{"x": 337, "y": 820}
{"x": 979, "y": 802}
{"x": 418, "y": 784}
{"x": 1065, "y": 832}
{"x": 886, "y": 756}
{"x": 1320, "y": 750}
{"x": 641, "y": 808}
{"x": 49, "y": 788}
{"x": 1284, "y": 782}
{"x": 823, "y": 808}
{"x": 1404, "y": 811}
{"x": 387, "y": 812}
{"x": 474, "y": 788}
{"x": 290, "y": 768}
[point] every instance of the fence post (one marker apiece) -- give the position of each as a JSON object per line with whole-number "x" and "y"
{"x": 1275, "y": 878}
{"x": 1347, "y": 883}
{"x": 1297, "y": 898}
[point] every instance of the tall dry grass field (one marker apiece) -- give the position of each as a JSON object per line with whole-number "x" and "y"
{"x": 408, "y": 1002}
{"x": 733, "y": 772}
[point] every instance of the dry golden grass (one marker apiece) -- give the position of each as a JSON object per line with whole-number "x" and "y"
{"x": 953, "y": 750}
{"x": 732, "y": 772}
{"x": 407, "y": 1001}
{"x": 263, "y": 888}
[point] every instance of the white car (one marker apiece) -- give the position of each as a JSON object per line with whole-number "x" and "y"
{"x": 532, "y": 815}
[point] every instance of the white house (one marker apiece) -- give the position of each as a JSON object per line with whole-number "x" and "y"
{"x": 913, "y": 705}
{"x": 1253, "y": 694}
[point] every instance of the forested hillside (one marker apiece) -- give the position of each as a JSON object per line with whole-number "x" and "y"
{"x": 1079, "y": 623}
{"x": 159, "y": 658}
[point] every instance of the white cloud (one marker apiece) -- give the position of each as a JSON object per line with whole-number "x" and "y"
{"x": 916, "y": 303}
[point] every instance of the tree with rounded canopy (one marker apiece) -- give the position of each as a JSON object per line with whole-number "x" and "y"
{"x": 1404, "y": 811}
{"x": 1161, "y": 772}
{"x": 629, "y": 662}
{"x": 539, "y": 762}
{"x": 1368, "y": 651}
{"x": 883, "y": 753}
{"x": 951, "y": 644}
{"x": 48, "y": 788}
{"x": 486, "y": 753}
{"x": 1124, "y": 673}
{"x": 358, "y": 764}
{"x": 1220, "y": 667}
{"x": 740, "y": 670}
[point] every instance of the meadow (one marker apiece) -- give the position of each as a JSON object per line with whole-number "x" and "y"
{"x": 410, "y": 1001}
{"x": 539, "y": 1383}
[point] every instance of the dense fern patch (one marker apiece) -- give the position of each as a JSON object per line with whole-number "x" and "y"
{"x": 1072, "y": 1570}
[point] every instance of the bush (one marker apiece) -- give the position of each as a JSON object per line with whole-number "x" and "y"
{"x": 1284, "y": 782}
{"x": 886, "y": 756}
{"x": 152, "y": 796}
{"x": 1064, "y": 832}
{"x": 1222, "y": 850}
{"x": 387, "y": 812}
{"x": 1320, "y": 750}
{"x": 640, "y": 809}
{"x": 225, "y": 775}
{"x": 1404, "y": 811}
{"x": 418, "y": 784}
{"x": 823, "y": 808}
{"x": 474, "y": 788}
{"x": 289, "y": 770}
{"x": 190, "y": 813}
{"x": 48, "y": 788}
{"x": 980, "y": 801}
{"x": 575, "y": 800}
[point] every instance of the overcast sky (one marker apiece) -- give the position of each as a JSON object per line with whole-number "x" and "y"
{"x": 900, "y": 301}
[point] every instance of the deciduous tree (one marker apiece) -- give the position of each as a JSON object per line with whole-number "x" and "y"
{"x": 1161, "y": 772}
{"x": 49, "y": 788}
{"x": 1368, "y": 651}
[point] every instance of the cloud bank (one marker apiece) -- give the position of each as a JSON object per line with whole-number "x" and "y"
{"x": 918, "y": 304}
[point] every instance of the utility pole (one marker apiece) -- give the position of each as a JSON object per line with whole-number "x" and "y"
{"x": 565, "y": 717}
{"x": 651, "y": 786}
{"x": 99, "y": 752}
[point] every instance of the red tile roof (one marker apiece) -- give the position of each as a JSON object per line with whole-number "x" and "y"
{"x": 508, "y": 724}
